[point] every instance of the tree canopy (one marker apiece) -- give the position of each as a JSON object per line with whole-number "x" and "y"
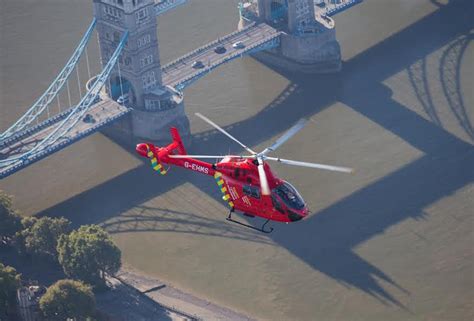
{"x": 68, "y": 299}
{"x": 88, "y": 254}
{"x": 40, "y": 236}
{"x": 28, "y": 222}
{"x": 9, "y": 283}
{"x": 9, "y": 219}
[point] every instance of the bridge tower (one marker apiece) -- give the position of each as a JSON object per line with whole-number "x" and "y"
{"x": 309, "y": 43}
{"x": 300, "y": 14}
{"x": 155, "y": 107}
{"x": 295, "y": 13}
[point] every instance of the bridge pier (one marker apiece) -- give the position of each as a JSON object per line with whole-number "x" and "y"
{"x": 308, "y": 43}
{"x": 155, "y": 125}
{"x": 139, "y": 126}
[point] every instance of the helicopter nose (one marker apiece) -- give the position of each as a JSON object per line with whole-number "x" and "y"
{"x": 294, "y": 217}
{"x": 142, "y": 149}
{"x": 305, "y": 213}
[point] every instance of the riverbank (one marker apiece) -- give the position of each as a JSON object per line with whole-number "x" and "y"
{"x": 158, "y": 301}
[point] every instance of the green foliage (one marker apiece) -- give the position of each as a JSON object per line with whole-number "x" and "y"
{"x": 28, "y": 222}
{"x": 9, "y": 283}
{"x": 68, "y": 299}
{"x": 88, "y": 253}
{"x": 40, "y": 236}
{"x": 19, "y": 239}
{"x": 9, "y": 219}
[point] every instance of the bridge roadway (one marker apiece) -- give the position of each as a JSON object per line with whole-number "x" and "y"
{"x": 103, "y": 113}
{"x": 255, "y": 37}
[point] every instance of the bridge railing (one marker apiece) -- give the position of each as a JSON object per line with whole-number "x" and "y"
{"x": 166, "y": 5}
{"x": 336, "y": 8}
{"x": 199, "y": 50}
{"x": 46, "y": 123}
{"x": 32, "y": 130}
{"x": 16, "y": 166}
{"x": 267, "y": 43}
{"x": 76, "y": 113}
{"x": 42, "y": 103}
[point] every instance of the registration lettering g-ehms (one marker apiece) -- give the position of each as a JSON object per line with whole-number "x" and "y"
{"x": 197, "y": 168}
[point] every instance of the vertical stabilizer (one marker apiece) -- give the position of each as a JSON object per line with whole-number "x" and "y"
{"x": 177, "y": 139}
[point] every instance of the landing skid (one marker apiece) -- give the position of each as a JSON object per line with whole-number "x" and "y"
{"x": 261, "y": 229}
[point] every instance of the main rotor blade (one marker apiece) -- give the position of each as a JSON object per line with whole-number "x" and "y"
{"x": 312, "y": 165}
{"x": 210, "y": 156}
{"x": 289, "y": 133}
{"x": 224, "y": 132}
{"x": 263, "y": 178}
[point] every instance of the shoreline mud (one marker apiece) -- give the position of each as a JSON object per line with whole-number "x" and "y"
{"x": 152, "y": 299}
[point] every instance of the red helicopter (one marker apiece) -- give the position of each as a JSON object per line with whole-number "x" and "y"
{"x": 247, "y": 182}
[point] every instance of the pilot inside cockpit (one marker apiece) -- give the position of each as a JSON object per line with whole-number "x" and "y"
{"x": 289, "y": 195}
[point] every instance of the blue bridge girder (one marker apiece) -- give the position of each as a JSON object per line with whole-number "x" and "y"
{"x": 255, "y": 37}
{"x": 162, "y": 6}
{"x": 104, "y": 112}
{"x": 60, "y": 134}
{"x": 333, "y": 7}
{"x": 17, "y": 129}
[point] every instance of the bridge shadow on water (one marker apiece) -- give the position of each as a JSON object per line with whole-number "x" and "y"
{"x": 450, "y": 70}
{"x": 327, "y": 239}
{"x": 166, "y": 220}
{"x": 450, "y": 82}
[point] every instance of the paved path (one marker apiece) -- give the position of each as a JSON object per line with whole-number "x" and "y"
{"x": 178, "y": 304}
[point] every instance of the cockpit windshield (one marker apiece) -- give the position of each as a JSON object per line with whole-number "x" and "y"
{"x": 289, "y": 196}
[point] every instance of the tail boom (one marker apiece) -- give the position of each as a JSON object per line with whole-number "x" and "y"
{"x": 160, "y": 155}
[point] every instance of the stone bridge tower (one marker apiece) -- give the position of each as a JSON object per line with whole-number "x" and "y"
{"x": 300, "y": 14}
{"x": 309, "y": 43}
{"x": 155, "y": 107}
{"x": 294, "y": 12}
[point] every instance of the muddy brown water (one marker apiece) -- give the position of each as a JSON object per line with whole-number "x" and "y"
{"x": 392, "y": 242}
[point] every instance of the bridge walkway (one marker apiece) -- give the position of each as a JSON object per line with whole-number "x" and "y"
{"x": 332, "y": 8}
{"x": 180, "y": 73}
{"x": 101, "y": 114}
{"x": 162, "y": 6}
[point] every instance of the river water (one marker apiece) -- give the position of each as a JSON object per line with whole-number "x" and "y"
{"x": 374, "y": 117}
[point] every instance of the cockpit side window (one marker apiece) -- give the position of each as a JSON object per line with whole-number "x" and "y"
{"x": 252, "y": 191}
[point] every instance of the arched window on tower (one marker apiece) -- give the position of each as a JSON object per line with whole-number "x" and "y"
{"x": 116, "y": 36}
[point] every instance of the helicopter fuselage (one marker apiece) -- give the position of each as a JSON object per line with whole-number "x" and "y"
{"x": 238, "y": 181}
